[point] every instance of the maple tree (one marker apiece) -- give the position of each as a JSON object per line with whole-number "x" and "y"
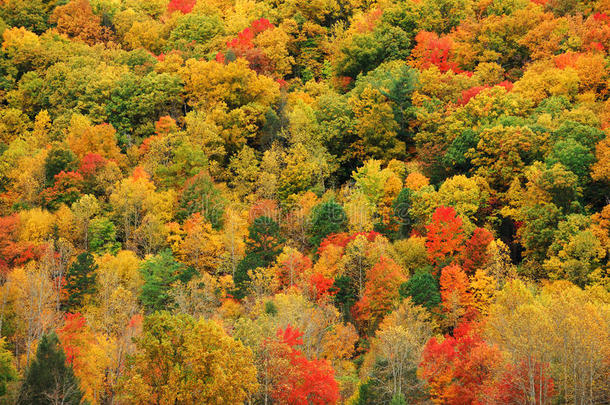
{"x": 309, "y": 381}
{"x": 445, "y": 237}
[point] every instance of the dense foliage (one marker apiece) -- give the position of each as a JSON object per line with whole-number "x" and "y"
{"x": 304, "y": 202}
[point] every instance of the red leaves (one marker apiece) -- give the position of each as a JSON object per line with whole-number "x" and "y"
{"x": 343, "y": 239}
{"x": 243, "y": 46}
{"x": 291, "y": 270}
{"x": 308, "y": 382}
{"x": 290, "y": 336}
{"x": 460, "y": 368}
{"x": 71, "y": 335}
{"x": 91, "y": 163}
{"x": 12, "y": 252}
{"x": 445, "y": 236}
{"x": 475, "y": 254}
{"x": 474, "y": 91}
{"x": 432, "y": 50}
{"x": 184, "y": 6}
{"x": 320, "y": 286}
{"x": 519, "y": 382}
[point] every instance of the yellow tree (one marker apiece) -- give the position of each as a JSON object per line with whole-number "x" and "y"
{"x": 183, "y": 361}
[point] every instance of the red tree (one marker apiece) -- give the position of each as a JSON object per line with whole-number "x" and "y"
{"x": 445, "y": 237}
{"x": 308, "y": 382}
{"x": 432, "y": 50}
{"x": 460, "y": 368}
{"x": 475, "y": 254}
{"x": 184, "y": 6}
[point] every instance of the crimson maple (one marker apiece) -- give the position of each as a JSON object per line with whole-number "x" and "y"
{"x": 460, "y": 368}
{"x": 309, "y": 382}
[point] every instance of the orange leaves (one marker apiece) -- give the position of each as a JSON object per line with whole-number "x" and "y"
{"x": 306, "y": 382}
{"x": 380, "y": 292}
{"x": 445, "y": 236}
{"x": 460, "y": 368}
{"x": 184, "y": 6}
{"x": 432, "y": 50}
{"x": 475, "y": 252}
{"x": 77, "y": 20}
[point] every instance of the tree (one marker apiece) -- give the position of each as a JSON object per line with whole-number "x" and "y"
{"x": 396, "y": 352}
{"x": 460, "y": 368}
{"x": 8, "y": 373}
{"x": 85, "y": 355}
{"x": 455, "y": 295}
{"x": 326, "y": 218}
{"x": 77, "y": 20}
{"x": 305, "y": 381}
{"x": 80, "y": 281}
{"x": 183, "y": 361}
{"x": 200, "y": 194}
{"x": 202, "y": 246}
{"x": 423, "y": 290}
{"x": 381, "y": 293}
{"x": 159, "y": 273}
{"x": 475, "y": 252}
{"x": 445, "y": 237}
{"x": 48, "y": 380}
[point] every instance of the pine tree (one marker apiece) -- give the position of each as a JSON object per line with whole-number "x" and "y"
{"x": 48, "y": 379}
{"x": 423, "y": 290}
{"x": 80, "y": 281}
{"x": 326, "y": 218}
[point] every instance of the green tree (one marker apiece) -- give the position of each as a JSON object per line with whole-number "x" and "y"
{"x": 48, "y": 379}
{"x": 58, "y": 160}
{"x": 159, "y": 273}
{"x": 423, "y": 289}
{"x": 80, "y": 281}
{"x": 264, "y": 244}
{"x": 326, "y": 218}
{"x": 8, "y": 372}
{"x": 102, "y": 236}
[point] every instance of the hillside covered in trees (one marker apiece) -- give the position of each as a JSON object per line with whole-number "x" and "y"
{"x": 304, "y": 202}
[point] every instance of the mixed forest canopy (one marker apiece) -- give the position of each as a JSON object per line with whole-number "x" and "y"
{"x": 304, "y": 202}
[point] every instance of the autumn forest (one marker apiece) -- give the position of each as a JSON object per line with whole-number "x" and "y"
{"x": 304, "y": 202}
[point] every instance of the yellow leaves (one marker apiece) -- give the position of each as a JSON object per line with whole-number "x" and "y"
{"x": 274, "y": 45}
{"x": 224, "y": 367}
{"x": 483, "y": 287}
{"x": 19, "y": 37}
{"x": 263, "y": 282}
{"x": 212, "y": 84}
{"x": 121, "y": 269}
{"x": 542, "y": 80}
{"x": 202, "y": 246}
{"x": 84, "y": 138}
{"x": 36, "y": 225}
{"x": 465, "y": 195}
{"x": 359, "y": 213}
{"x": 601, "y": 169}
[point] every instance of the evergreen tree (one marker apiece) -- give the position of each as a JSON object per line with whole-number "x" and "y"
{"x": 48, "y": 379}
{"x": 423, "y": 289}
{"x": 80, "y": 281}
{"x": 263, "y": 246}
{"x": 326, "y": 218}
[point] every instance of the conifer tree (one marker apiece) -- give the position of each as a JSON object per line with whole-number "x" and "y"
{"x": 48, "y": 379}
